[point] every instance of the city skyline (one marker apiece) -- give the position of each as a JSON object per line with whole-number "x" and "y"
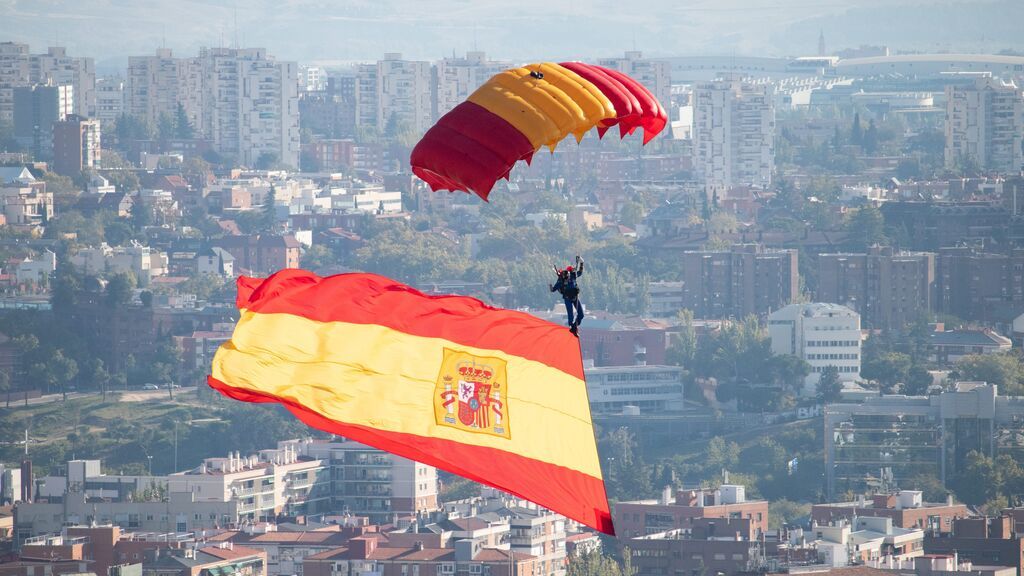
{"x": 305, "y": 31}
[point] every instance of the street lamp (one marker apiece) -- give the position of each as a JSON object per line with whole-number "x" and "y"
{"x": 150, "y": 464}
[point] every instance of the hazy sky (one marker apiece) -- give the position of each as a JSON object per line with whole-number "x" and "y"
{"x": 349, "y": 30}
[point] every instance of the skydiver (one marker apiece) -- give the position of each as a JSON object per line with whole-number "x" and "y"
{"x": 566, "y": 286}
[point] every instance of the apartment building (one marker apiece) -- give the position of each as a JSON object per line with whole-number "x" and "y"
{"x": 984, "y": 123}
{"x": 404, "y": 96}
{"x": 747, "y": 279}
{"x": 372, "y": 483}
{"x": 76, "y": 145}
{"x": 24, "y": 200}
{"x": 889, "y": 288}
{"x": 456, "y": 78}
{"x": 14, "y": 72}
{"x": 36, "y": 109}
{"x": 20, "y": 68}
{"x": 363, "y": 556}
{"x": 654, "y": 74}
{"x": 110, "y": 100}
{"x": 905, "y": 508}
{"x": 680, "y": 509}
{"x": 980, "y": 286}
{"x": 733, "y": 134}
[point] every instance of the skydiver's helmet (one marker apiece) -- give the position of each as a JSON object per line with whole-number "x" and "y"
{"x": 568, "y": 268}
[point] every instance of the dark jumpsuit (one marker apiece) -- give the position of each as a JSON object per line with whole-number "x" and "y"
{"x": 566, "y": 286}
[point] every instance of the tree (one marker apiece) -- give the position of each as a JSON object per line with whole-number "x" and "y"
{"x": 829, "y": 386}
{"x": 722, "y": 455}
{"x": 267, "y": 161}
{"x": 269, "y": 209}
{"x": 590, "y": 562}
{"x": 141, "y": 215}
{"x": 308, "y": 162}
{"x": 1004, "y": 370}
{"x": 5, "y": 385}
{"x": 631, "y": 214}
{"x": 871, "y": 138}
{"x": 683, "y": 346}
{"x": 918, "y": 381}
{"x": 182, "y": 125}
{"x": 888, "y": 370}
{"x": 119, "y": 289}
{"x": 865, "y": 227}
{"x": 164, "y": 130}
{"x": 856, "y": 132}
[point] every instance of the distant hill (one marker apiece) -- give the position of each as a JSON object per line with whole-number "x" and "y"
{"x": 307, "y": 30}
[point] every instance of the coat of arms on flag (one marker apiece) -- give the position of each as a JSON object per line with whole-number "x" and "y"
{"x": 472, "y": 393}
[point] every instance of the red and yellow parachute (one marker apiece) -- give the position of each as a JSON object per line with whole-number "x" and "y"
{"x": 520, "y": 110}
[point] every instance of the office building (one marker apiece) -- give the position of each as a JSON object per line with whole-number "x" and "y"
{"x": 890, "y": 289}
{"x": 647, "y": 389}
{"x": 733, "y": 134}
{"x": 889, "y": 440}
{"x": 36, "y": 109}
{"x": 984, "y": 123}
{"x": 76, "y": 145}
{"x": 823, "y": 335}
{"x": 747, "y": 279}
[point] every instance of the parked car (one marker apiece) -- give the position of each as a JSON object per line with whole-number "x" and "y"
{"x": 150, "y": 387}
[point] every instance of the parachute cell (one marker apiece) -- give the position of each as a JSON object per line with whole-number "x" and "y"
{"x": 520, "y": 110}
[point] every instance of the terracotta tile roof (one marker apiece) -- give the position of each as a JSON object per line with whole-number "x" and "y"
{"x": 496, "y": 555}
{"x": 332, "y": 554}
{"x": 232, "y": 553}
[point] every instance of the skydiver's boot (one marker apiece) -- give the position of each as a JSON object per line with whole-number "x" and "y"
{"x": 575, "y": 330}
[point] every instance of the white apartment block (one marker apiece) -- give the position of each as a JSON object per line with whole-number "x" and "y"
{"x": 251, "y": 105}
{"x": 14, "y": 72}
{"x": 822, "y": 334}
{"x": 110, "y": 101}
{"x": 56, "y": 68}
{"x": 373, "y": 483}
{"x": 655, "y": 75}
{"x": 18, "y": 67}
{"x": 143, "y": 262}
{"x": 403, "y": 93}
{"x": 650, "y": 389}
{"x": 153, "y": 86}
{"x": 733, "y": 134}
{"x": 364, "y": 197}
{"x": 366, "y": 96}
{"x": 984, "y": 124}
{"x": 312, "y": 78}
{"x": 457, "y": 78}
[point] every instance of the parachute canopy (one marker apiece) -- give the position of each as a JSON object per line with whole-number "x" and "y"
{"x": 520, "y": 110}
{"x": 494, "y": 395}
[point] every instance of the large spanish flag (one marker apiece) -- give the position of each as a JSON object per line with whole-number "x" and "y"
{"x": 493, "y": 395}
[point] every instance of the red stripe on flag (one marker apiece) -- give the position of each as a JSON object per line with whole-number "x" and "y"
{"x": 574, "y": 494}
{"x": 373, "y": 299}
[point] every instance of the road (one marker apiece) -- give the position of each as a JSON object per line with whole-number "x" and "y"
{"x": 130, "y": 396}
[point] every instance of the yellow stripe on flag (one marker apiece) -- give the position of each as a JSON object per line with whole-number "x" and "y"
{"x": 371, "y": 375}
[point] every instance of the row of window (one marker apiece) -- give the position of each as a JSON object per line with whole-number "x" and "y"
{"x": 841, "y": 369}
{"x": 646, "y": 390}
{"x": 831, "y": 343}
{"x": 833, "y": 356}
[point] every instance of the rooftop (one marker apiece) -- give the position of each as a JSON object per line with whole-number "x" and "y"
{"x": 969, "y": 337}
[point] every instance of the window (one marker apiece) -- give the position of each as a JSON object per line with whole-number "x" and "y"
{"x": 447, "y": 568}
